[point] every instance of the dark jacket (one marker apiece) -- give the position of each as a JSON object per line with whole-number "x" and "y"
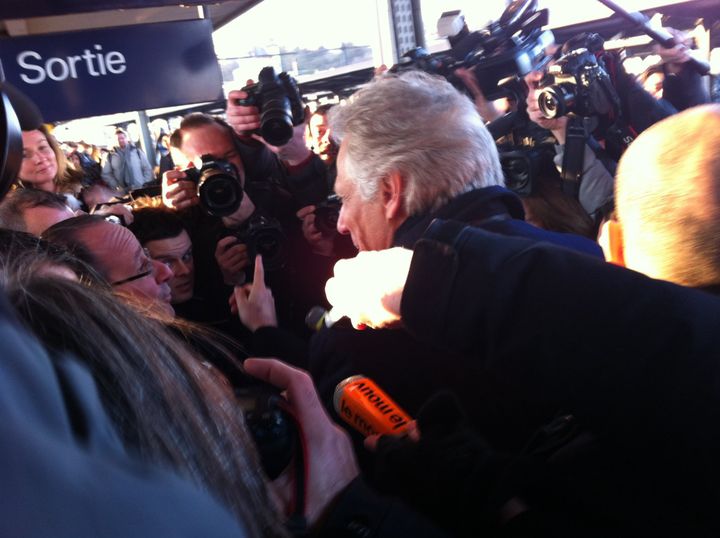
{"x": 633, "y": 359}
{"x": 409, "y": 370}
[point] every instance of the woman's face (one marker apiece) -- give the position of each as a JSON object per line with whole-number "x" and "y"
{"x": 39, "y": 164}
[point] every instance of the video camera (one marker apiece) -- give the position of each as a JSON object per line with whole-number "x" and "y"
{"x": 508, "y": 48}
{"x": 218, "y": 186}
{"x": 280, "y": 103}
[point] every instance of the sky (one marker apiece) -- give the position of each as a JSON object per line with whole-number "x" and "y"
{"x": 292, "y": 23}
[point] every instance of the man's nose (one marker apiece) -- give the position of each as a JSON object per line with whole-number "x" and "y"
{"x": 162, "y": 272}
{"x": 341, "y": 226}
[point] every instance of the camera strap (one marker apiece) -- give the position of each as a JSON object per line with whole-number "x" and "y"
{"x": 574, "y": 156}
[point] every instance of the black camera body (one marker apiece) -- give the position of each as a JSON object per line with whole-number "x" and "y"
{"x": 280, "y": 103}
{"x": 579, "y": 85}
{"x": 271, "y": 427}
{"x": 523, "y": 165}
{"x": 264, "y": 235}
{"x": 218, "y": 186}
{"x": 327, "y": 214}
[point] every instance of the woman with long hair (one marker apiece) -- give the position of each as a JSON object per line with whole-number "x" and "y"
{"x": 167, "y": 404}
{"x": 45, "y": 167}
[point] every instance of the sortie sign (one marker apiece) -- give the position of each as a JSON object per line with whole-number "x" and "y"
{"x": 90, "y": 73}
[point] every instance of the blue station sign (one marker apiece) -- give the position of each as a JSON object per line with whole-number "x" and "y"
{"x": 103, "y": 71}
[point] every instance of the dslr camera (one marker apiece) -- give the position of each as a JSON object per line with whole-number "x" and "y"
{"x": 280, "y": 103}
{"x": 218, "y": 186}
{"x": 271, "y": 427}
{"x": 578, "y": 84}
{"x": 522, "y": 166}
{"x": 264, "y": 236}
{"x": 327, "y": 214}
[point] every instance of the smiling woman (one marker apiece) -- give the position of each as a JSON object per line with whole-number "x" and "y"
{"x": 44, "y": 165}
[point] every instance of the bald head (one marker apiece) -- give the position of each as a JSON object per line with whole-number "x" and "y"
{"x": 668, "y": 199}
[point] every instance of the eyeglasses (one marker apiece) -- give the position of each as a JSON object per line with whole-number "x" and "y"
{"x": 145, "y": 270}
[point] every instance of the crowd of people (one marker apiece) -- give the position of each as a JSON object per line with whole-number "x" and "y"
{"x": 558, "y": 353}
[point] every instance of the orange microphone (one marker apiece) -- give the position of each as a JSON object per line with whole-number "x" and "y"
{"x": 364, "y": 405}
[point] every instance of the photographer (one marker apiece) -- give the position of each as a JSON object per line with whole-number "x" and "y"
{"x": 617, "y": 114}
{"x": 596, "y": 183}
{"x": 271, "y": 191}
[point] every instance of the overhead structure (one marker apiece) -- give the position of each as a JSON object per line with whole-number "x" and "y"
{"x": 21, "y": 17}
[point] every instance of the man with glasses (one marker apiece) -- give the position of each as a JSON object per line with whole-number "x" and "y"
{"x": 114, "y": 252}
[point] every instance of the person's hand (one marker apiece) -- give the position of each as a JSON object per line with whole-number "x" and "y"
{"x": 254, "y": 302}
{"x": 177, "y": 191}
{"x": 243, "y": 119}
{"x": 485, "y": 108}
{"x": 246, "y": 119}
{"x": 120, "y": 210}
{"x": 557, "y": 125}
{"x": 318, "y": 242}
{"x": 232, "y": 258}
{"x": 368, "y": 288}
{"x": 675, "y": 57}
{"x": 329, "y": 457}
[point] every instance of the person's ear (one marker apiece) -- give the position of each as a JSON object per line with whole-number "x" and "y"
{"x": 393, "y": 188}
{"x": 610, "y": 239}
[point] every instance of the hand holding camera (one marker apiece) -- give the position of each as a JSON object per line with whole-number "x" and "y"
{"x": 177, "y": 191}
{"x": 232, "y": 258}
{"x": 329, "y": 458}
{"x": 271, "y": 111}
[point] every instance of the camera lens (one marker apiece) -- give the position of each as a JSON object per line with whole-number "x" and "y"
{"x": 276, "y": 125}
{"x": 556, "y": 100}
{"x": 517, "y": 173}
{"x": 220, "y": 193}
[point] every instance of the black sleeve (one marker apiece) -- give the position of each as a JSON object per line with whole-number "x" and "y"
{"x": 685, "y": 89}
{"x": 360, "y": 512}
{"x": 277, "y": 342}
{"x": 639, "y": 108}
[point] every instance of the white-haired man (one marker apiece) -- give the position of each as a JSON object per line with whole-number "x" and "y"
{"x": 412, "y": 149}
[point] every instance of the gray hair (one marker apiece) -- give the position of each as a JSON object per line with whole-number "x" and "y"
{"x": 422, "y": 127}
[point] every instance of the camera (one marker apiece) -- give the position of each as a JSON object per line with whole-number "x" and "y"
{"x": 264, "y": 236}
{"x": 271, "y": 427}
{"x": 523, "y": 165}
{"x": 327, "y": 213}
{"x": 577, "y": 84}
{"x": 280, "y": 103}
{"x": 218, "y": 186}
